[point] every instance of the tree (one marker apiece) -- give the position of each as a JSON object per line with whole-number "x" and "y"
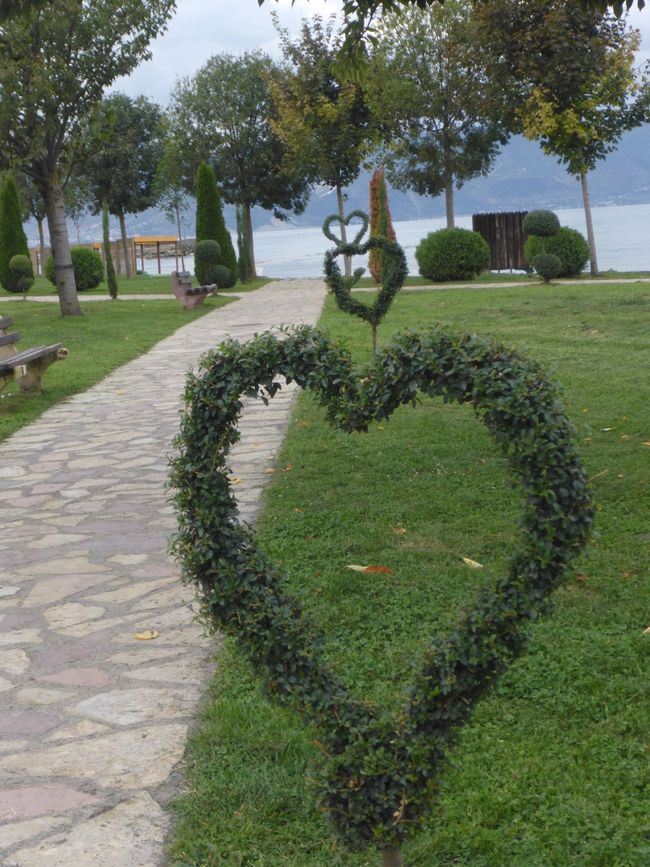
{"x": 381, "y": 223}
{"x": 221, "y": 115}
{"x": 360, "y": 16}
{"x": 122, "y": 150}
{"x": 78, "y": 199}
{"x": 13, "y": 241}
{"x": 325, "y": 123}
{"x": 576, "y": 89}
{"x": 210, "y": 224}
{"x": 111, "y": 279}
{"x": 170, "y": 191}
{"x": 55, "y": 64}
{"x": 429, "y": 82}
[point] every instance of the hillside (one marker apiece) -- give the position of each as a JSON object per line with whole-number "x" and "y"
{"x": 522, "y": 178}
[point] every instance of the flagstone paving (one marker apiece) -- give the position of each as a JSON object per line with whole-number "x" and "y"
{"x": 94, "y": 722}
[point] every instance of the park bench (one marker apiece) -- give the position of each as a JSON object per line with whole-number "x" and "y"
{"x": 26, "y": 367}
{"x": 190, "y": 297}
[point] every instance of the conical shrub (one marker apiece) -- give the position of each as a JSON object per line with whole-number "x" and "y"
{"x": 210, "y": 224}
{"x": 13, "y": 241}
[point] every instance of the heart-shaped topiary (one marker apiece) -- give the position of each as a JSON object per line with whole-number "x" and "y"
{"x": 381, "y": 772}
{"x": 393, "y": 274}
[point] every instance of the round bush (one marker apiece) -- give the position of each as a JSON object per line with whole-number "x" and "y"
{"x": 569, "y": 245}
{"x": 452, "y": 254}
{"x": 21, "y": 273}
{"x": 206, "y": 256}
{"x": 87, "y": 266}
{"x": 542, "y": 223}
{"x": 547, "y": 266}
{"x": 220, "y": 275}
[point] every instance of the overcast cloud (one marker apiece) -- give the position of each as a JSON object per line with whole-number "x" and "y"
{"x": 202, "y": 28}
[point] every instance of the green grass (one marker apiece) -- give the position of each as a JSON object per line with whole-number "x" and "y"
{"x": 553, "y": 769}
{"x": 488, "y": 277}
{"x": 107, "y": 335}
{"x": 143, "y": 284}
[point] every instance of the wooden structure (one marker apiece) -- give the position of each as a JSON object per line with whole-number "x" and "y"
{"x": 188, "y": 297}
{"x": 26, "y": 367}
{"x": 143, "y": 241}
{"x": 117, "y": 252}
{"x": 504, "y": 233}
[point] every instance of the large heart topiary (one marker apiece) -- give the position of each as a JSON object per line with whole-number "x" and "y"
{"x": 394, "y": 271}
{"x": 381, "y": 772}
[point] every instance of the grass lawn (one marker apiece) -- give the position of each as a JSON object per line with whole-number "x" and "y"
{"x": 506, "y": 277}
{"x": 553, "y": 769}
{"x": 143, "y": 284}
{"x": 107, "y": 335}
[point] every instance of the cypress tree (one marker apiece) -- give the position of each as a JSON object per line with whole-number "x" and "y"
{"x": 13, "y": 240}
{"x": 111, "y": 279}
{"x": 380, "y": 221}
{"x": 210, "y": 224}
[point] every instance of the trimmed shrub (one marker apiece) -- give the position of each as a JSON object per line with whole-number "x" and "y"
{"x": 210, "y": 224}
{"x": 547, "y": 266}
{"x": 206, "y": 257}
{"x": 220, "y": 275}
{"x": 569, "y": 245}
{"x": 13, "y": 241}
{"x": 381, "y": 223}
{"x": 452, "y": 254}
{"x": 21, "y": 273}
{"x": 542, "y": 223}
{"x": 87, "y": 266}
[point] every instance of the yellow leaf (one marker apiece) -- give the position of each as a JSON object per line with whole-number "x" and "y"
{"x": 149, "y": 635}
{"x": 356, "y": 568}
{"x": 234, "y": 480}
{"x": 646, "y": 631}
{"x": 473, "y": 564}
{"x": 646, "y": 444}
{"x": 270, "y": 471}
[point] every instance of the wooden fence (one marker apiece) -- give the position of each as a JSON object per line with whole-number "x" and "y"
{"x": 505, "y": 237}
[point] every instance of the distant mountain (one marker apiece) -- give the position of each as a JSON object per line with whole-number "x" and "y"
{"x": 521, "y": 179}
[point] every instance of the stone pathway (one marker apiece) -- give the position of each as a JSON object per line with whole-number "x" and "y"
{"x": 93, "y": 722}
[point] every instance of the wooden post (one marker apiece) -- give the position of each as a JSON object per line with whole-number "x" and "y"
{"x": 142, "y": 257}
{"x": 176, "y": 252}
{"x": 158, "y": 254}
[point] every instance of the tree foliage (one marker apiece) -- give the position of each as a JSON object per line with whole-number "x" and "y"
{"x": 381, "y": 223}
{"x": 55, "y": 63}
{"x": 221, "y": 115}
{"x": 13, "y": 241}
{"x": 428, "y": 82}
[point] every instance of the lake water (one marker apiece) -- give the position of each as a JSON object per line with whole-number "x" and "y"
{"x": 622, "y": 241}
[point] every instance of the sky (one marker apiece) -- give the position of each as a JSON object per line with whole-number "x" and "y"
{"x": 202, "y": 28}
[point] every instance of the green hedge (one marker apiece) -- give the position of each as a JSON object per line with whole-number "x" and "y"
{"x": 452, "y": 254}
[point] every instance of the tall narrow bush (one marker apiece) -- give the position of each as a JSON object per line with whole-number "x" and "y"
{"x": 210, "y": 224}
{"x": 13, "y": 241}
{"x": 111, "y": 279}
{"x": 381, "y": 223}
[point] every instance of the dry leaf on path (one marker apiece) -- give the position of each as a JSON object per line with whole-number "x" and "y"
{"x": 149, "y": 635}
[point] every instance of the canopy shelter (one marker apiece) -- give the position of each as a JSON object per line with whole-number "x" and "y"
{"x": 155, "y": 241}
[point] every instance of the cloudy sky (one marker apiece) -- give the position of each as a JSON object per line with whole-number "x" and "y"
{"x": 201, "y": 28}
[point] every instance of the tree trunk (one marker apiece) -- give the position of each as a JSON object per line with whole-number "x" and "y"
{"x": 344, "y": 237}
{"x": 248, "y": 227}
{"x": 591, "y": 238}
{"x": 63, "y": 271}
{"x": 41, "y": 246}
{"x": 391, "y": 857}
{"x": 180, "y": 235}
{"x": 449, "y": 202}
{"x": 125, "y": 246}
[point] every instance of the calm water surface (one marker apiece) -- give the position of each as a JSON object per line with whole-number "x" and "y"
{"x": 622, "y": 239}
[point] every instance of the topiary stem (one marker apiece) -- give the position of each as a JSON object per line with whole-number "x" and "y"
{"x": 373, "y": 327}
{"x": 391, "y": 857}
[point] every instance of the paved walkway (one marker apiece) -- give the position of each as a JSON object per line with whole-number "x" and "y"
{"x": 93, "y": 721}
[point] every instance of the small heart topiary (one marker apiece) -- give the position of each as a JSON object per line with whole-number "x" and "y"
{"x": 381, "y": 772}
{"x": 394, "y": 271}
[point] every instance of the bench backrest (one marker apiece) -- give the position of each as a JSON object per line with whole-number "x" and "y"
{"x": 181, "y": 278}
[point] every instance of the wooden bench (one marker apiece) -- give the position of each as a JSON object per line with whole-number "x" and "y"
{"x": 187, "y": 296}
{"x": 26, "y": 367}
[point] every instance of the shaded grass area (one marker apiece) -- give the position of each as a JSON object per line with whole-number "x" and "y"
{"x": 107, "y": 335}
{"x": 553, "y": 769}
{"x": 143, "y": 284}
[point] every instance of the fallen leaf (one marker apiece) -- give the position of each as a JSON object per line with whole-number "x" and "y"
{"x": 627, "y": 574}
{"x": 646, "y": 631}
{"x": 620, "y": 476}
{"x": 296, "y": 509}
{"x": 580, "y": 576}
{"x": 473, "y": 564}
{"x": 646, "y": 443}
{"x": 149, "y": 635}
{"x": 400, "y": 531}
{"x": 234, "y": 480}
{"x": 270, "y": 471}
{"x": 606, "y": 428}
{"x": 288, "y": 468}
{"x": 380, "y": 427}
{"x": 367, "y": 569}
{"x": 625, "y": 436}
